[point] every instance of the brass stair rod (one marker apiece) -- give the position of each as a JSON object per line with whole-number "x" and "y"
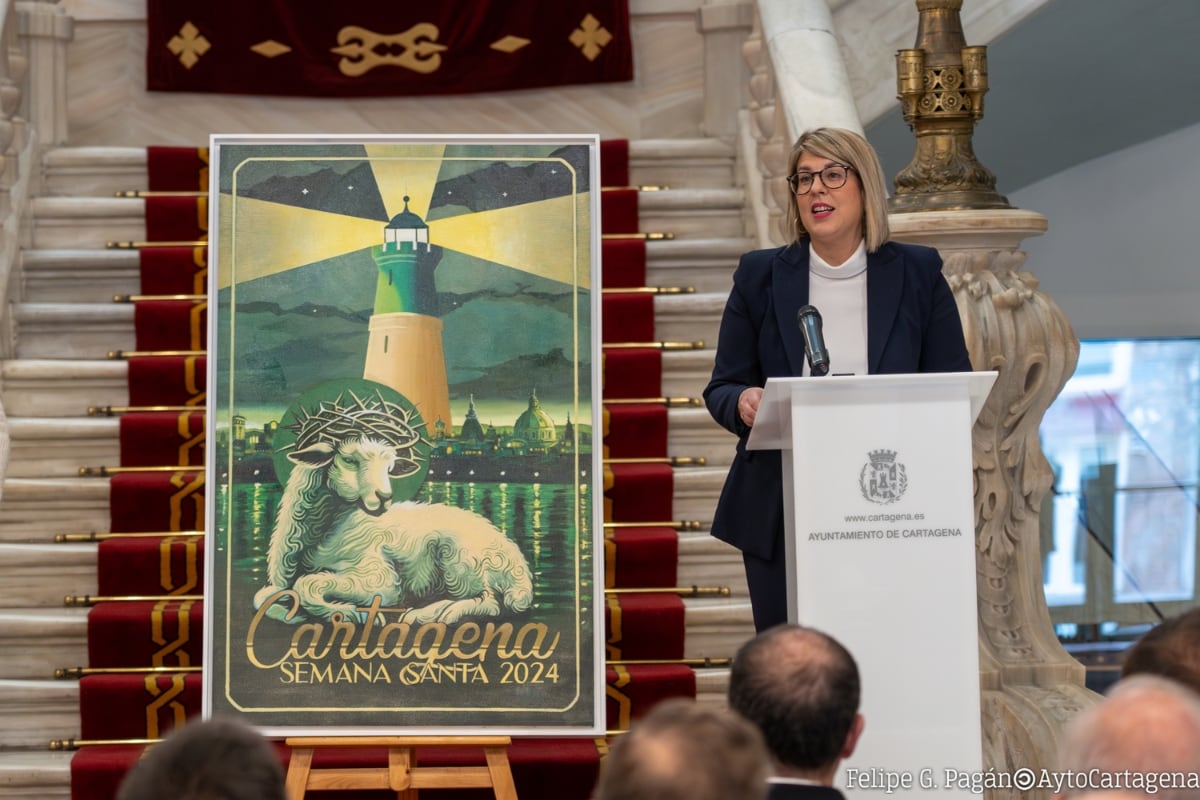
{"x": 682, "y": 591}
{"x": 77, "y": 600}
{"x": 135, "y": 298}
{"x": 108, "y": 411}
{"x": 75, "y": 744}
{"x": 686, "y": 662}
{"x": 160, "y": 193}
{"x": 696, "y": 345}
{"x": 104, "y": 472}
{"x": 66, "y": 673}
{"x": 101, "y": 536}
{"x": 116, "y": 355}
{"x": 675, "y": 461}
{"x": 649, "y": 237}
{"x": 677, "y": 524}
{"x": 669, "y": 402}
{"x": 641, "y": 188}
{"x": 651, "y": 290}
{"x": 141, "y": 245}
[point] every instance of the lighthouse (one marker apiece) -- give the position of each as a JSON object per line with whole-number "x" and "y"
{"x": 404, "y": 348}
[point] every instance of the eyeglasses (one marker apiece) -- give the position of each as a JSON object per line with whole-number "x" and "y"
{"x": 832, "y": 177}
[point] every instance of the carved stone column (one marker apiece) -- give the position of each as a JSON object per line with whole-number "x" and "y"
{"x": 1031, "y": 685}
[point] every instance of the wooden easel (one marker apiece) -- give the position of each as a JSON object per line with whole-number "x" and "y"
{"x": 401, "y": 775}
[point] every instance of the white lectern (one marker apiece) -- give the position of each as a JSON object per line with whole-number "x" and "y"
{"x": 878, "y": 499}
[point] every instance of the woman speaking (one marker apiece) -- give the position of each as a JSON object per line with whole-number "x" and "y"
{"x": 885, "y": 306}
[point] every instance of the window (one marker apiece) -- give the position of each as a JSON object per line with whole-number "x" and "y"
{"x": 1119, "y": 525}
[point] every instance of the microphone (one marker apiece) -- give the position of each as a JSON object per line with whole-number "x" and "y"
{"x": 809, "y": 320}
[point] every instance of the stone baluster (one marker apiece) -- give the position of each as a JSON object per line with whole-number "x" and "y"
{"x": 768, "y": 129}
{"x": 45, "y": 32}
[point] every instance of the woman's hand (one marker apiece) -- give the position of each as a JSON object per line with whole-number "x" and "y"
{"x": 748, "y": 402}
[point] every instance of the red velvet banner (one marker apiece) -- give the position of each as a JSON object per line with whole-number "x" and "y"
{"x": 278, "y": 47}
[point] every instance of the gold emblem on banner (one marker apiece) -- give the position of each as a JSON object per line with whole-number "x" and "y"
{"x": 509, "y": 44}
{"x": 189, "y": 44}
{"x": 364, "y": 50}
{"x": 590, "y": 37}
{"x": 270, "y": 48}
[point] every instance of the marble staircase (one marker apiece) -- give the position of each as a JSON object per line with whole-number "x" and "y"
{"x": 63, "y": 323}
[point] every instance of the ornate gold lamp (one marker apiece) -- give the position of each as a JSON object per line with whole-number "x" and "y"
{"x": 941, "y": 83}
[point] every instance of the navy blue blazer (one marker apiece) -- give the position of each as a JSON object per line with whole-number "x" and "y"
{"x": 912, "y": 326}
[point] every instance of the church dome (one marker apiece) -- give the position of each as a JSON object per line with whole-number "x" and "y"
{"x": 534, "y": 424}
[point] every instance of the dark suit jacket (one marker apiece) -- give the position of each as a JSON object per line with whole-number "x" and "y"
{"x": 912, "y": 326}
{"x": 802, "y": 791}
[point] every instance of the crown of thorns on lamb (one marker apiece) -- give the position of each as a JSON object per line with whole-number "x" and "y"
{"x": 371, "y": 417}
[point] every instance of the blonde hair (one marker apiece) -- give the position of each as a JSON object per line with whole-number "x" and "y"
{"x": 852, "y": 150}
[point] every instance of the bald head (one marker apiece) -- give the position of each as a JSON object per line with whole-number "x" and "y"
{"x": 684, "y": 751}
{"x": 214, "y": 759}
{"x": 801, "y": 688}
{"x": 1146, "y": 725}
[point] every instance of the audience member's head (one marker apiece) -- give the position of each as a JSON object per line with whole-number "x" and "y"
{"x": 801, "y": 688}
{"x": 1170, "y": 649}
{"x": 684, "y": 751}
{"x": 1147, "y": 728}
{"x": 216, "y": 759}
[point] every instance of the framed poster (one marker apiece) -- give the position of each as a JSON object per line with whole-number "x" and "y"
{"x": 404, "y": 499}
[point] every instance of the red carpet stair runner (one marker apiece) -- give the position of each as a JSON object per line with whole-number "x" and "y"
{"x": 145, "y": 654}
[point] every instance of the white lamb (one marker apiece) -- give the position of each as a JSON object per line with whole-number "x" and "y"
{"x": 339, "y": 542}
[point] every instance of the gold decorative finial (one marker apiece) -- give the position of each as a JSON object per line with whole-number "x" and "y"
{"x": 941, "y": 83}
